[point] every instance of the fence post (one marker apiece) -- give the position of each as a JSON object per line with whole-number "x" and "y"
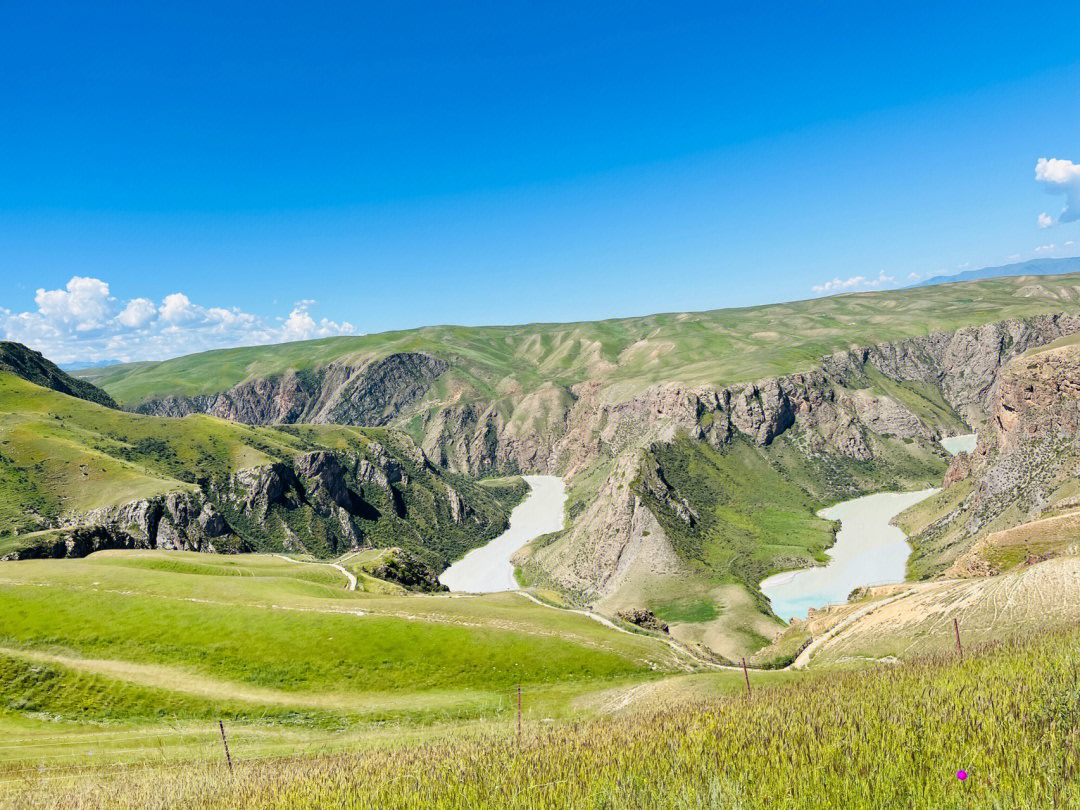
{"x": 225, "y": 742}
{"x": 956, "y": 627}
{"x": 519, "y": 711}
{"x": 746, "y": 675}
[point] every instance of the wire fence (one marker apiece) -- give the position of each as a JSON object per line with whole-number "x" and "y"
{"x": 172, "y": 743}
{"x": 62, "y": 754}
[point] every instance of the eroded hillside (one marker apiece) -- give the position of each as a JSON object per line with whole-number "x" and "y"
{"x": 78, "y": 477}
{"x": 538, "y": 397}
{"x": 1016, "y": 498}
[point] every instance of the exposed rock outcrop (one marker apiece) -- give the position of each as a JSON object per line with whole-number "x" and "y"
{"x": 321, "y": 502}
{"x": 616, "y": 540}
{"x": 643, "y": 618}
{"x": 370, "y": 393}
{"x": 1026, "y": 460}
{"x": 1038, "y": 397}
{"x": 959, "y": 469}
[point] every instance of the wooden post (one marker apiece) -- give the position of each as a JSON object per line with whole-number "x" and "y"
{"x": 519, "y": 710}
{"x": 746, "y": 675}
{"x": 956, "y": 627}
{"x": 225, "y": 742}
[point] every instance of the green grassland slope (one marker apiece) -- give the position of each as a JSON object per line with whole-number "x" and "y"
{"x": 123, "y": 652}
{"x": 718, "y": 347}
{"x": 891, "y": 737}
{"x": 33, "y": 367}
{"x": 76, "y": 476}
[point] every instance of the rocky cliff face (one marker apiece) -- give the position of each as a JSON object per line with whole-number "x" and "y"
{"x": 616, "y": 540}
{"x": 565, "y": 429}
{"x": 835, "y": 410}
{"x": 322, "y": 502}
{"x": 1026, "y": 461}
{"x": 370, "y": 394}
{"x": 1038, "y": 397}
{"x": 834, "y": 403}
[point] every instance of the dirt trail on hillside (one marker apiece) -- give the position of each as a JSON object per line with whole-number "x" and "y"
{"x": 677, "y": 646}
{"x": 350, "y": 585}
{"x": 188, "y": 682}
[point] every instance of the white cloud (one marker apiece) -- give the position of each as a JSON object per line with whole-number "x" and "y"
{"x": 138, "y": 313}
{"x": 176, "y": 308}
{"x": 1061, "y": 177}
{"x": 914, "y": 277}
{"x": 1069, "y": 242}
{"x": 963, "y": 266}
{"x": 854, "y": 283}
{"x": 1015, "y": 256}
{"x": 1045, "y": 220}
{"x": 1044, "y": 248}
{"x": 85, "y": 304}
{"x": 83, "y": 322}
{"x": 301, "y": 326}
{"x": 838, "y": 284}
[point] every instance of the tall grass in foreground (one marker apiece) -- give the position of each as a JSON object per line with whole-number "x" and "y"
{"x": 883, "y": 738}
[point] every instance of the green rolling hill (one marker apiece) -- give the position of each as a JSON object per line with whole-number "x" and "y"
{"x": 716, "y": 347}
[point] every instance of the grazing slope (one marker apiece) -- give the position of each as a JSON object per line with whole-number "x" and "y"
{"x": 1006, "y": 715}
{"x": 32, "y": 367}
{"x": 76, "y": 477}
{"x": 128, "y": 654}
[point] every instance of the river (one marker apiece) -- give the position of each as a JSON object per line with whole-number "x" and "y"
{"x": 868, "y": 550}
{"x": 488, "y": 568}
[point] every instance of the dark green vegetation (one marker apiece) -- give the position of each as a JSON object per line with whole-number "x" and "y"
{"x": 716, "y": 347}
{"x": 33, "y": 367}
{"x": 1007, "y": 715}
{"x": 753, "y": 508}
{"x": 61, "y": 455}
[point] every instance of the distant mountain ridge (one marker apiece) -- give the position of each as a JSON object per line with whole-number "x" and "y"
{"x": 79, "y": 366}
{"x": 1034, "y": 267}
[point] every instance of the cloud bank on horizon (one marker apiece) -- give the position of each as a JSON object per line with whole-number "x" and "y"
{"x": 853, "y": 284}
{"x": 1057, "y": 176}
{"x": 84, "y": 323}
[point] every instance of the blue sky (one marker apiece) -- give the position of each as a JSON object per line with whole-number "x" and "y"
{"x": 180, "y": 176}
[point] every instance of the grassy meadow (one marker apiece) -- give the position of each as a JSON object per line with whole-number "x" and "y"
{"x": 132, "y": 656}
{"x": 1007, "y": 714}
